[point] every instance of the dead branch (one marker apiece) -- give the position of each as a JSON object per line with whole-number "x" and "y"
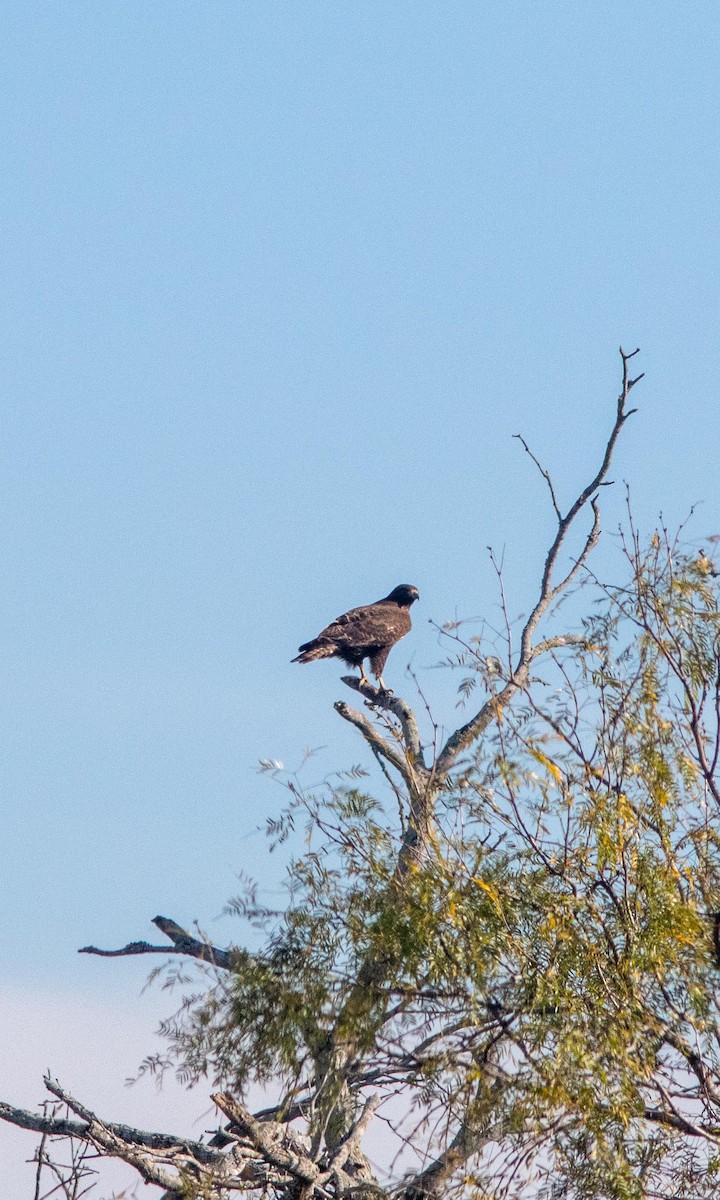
{"x": 549, "y": 590}
{"x": 375, "y": 740}
{"x": 149, "y": 1153}
{"x": 279, "y": 1152}
{"x": 265, "y": 1152}
{"x": 52, "y": 1126}
{"x": 183, "y": 943}
{"x": 125, "y": 1133}
{"x": 63, "y": 1127}
{"x": 399, "y": 708}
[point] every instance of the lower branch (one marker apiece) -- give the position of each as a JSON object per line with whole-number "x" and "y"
{"x": 158, "y": 1158}
{"x": 63, "y": 1127}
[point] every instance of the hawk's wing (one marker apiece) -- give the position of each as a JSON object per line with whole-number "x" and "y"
{"x": 370, "y": 625}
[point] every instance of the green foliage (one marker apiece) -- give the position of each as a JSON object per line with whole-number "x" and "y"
{"x": 544, "y": 981}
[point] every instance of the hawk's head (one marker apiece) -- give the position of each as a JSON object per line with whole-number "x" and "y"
{"x": 404, "y": 595}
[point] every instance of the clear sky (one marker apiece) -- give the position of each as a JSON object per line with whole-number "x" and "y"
{"x": 279, "y": 282}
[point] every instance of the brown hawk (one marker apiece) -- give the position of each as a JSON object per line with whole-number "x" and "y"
{"x": 367, "y": 632}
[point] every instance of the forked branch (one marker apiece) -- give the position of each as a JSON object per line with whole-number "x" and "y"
{"x": 151, "y": 1154}
{"x": 376, "y": 742}
{"x": 265, "y": 1154}
{"x": 399, "y": 708}
{"x": 549, "y": 589}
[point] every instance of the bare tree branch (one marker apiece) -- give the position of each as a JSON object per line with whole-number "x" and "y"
{"x": 351, "y": 1143}
{"x": 375, "y": 740}
{"x": 545, "y": 474}
{"x": 125, "y": 1133}
{"x": 467, "y": 1142}
{"x": 52, "y": 1126}
{"x": 279, "y": 1153}
{"x": 558, "y": 642}
{"x": 183, "y": 943}
{"x": 399, "y": 708}
{"x": 674, "y": 1121}
{"x": 62, "y": 1127}
{"x": 470, "y": 732}
{"x": 170, "y": 1161}
{"x": 148, "y": 1153}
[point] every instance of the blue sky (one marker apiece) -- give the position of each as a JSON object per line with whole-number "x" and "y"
{"x": 280, "y": 281}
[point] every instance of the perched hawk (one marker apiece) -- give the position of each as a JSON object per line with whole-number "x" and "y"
{"x": 367, "y": 632}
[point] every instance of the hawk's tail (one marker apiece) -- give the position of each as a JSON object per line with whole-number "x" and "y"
{"x": 310, "y": 651}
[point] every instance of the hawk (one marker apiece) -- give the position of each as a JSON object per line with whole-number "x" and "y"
{"x": 367, "y": 632}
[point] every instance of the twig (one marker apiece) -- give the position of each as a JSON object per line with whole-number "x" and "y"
{"x": 545, "y": 474}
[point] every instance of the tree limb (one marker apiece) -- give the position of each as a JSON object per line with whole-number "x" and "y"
{"x": 260, "y": 1134}
{"x": 375, "y": 741}
{"x": 148, "y": 1153}
{"x": 63, "y": 1127}
{"x": 183, "y": 943}
{"x": 557, "y": 643}
{"x": 470, "y": 732}
{"x": 273, "y": 1157}
{"x": 660, "y": 1116}
{"x": 399, "y": 708}
{"x": 467, "y": 1142}
{"x": 350, "y": 1144}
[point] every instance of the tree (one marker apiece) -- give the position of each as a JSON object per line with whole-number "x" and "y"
{"x": 511, "y": 970}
